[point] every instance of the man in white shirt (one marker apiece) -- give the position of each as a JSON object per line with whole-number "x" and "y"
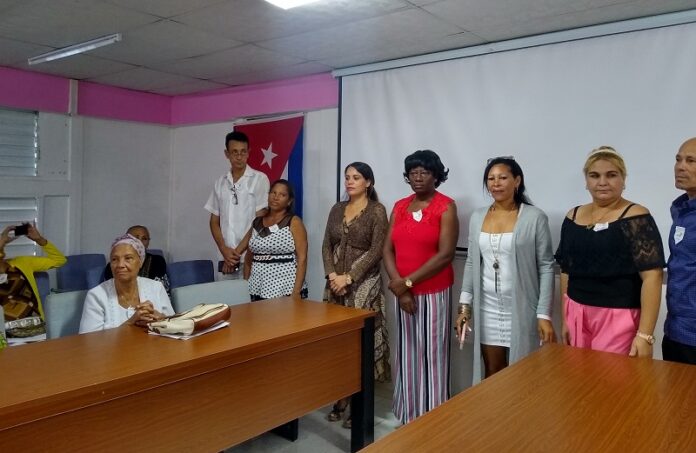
{"x": 237, "y": 198}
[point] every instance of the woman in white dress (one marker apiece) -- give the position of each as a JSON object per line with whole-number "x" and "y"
{"x": 508, "y": 276}
{"x": 126, "y": 299}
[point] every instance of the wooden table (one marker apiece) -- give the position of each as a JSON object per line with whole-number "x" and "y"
{"x": 563, "y": 399}
{"x": 124, "y": 390}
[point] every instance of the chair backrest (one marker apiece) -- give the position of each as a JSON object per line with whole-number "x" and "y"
{"x": 43, "y": 284}
{"x": 63, "y": 312}
{"x": 159, "y": 252}
{"x": 94, "y": 276}
{"x": 73, "y": 275}
{"x": 230, "y": 292}
{"x": 192, "y": 272}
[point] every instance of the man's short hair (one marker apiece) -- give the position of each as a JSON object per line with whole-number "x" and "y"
{"x": 237, "y": 137}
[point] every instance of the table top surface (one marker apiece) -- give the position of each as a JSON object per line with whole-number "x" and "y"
{"x": 102, "y": 365}
{"x": 564, "y": 399}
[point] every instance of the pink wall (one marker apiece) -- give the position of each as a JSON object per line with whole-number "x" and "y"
{"x": 105, "y": 101}
{"x": 34, "y": 91}
{"x": 291, "y": 95}
{"x": 31, "y": 90}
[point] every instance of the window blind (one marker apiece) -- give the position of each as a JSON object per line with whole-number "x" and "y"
{"x": 19, "y": 143}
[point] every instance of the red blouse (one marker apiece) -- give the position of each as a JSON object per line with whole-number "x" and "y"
{"x": 417, "y": 242}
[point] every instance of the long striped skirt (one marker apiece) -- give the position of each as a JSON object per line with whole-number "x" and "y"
{"x": 422, "y": 358}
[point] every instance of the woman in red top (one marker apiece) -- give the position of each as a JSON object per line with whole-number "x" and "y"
{"x": 418, "y": 253}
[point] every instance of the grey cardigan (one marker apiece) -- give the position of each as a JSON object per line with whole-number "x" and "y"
{"x": 532, "y": 292}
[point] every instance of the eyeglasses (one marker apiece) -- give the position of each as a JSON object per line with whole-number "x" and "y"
{"x": 500, "y": 157}
{"x": 419, "y": 173}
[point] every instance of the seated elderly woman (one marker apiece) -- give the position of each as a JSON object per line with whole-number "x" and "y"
{"x": 154, "y": 267}
{"x": 19, "y": 295}
{"x": 125, "y": 299}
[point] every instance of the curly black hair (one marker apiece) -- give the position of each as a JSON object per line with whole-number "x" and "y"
{"x": 430, "y": 161}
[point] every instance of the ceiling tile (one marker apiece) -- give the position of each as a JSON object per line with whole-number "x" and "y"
{"x": 6, "y": 5}
{"x": 458, "y": 41}
{"x": 255, "y": 20}
{"x": 367, "y": 36}
{"x": 163, "y": 41}
{"x": 142, "y": 79}
{"x": 78, "y": 67}
{"x": 60, "y": 23}
{"x": 240, "y": 60}
{"x": 576, "y": 19}
{"x": 488, "y": 13}
{"x": 164, "y": 8}
{"x": 284, "y": 72}
{"x": 13, "y": 52}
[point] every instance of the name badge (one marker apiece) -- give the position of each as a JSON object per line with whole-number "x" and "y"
{"x": 601, "y": 226}
{"x": 3, "y": 278}
{"x": 274, "y": 228}
{"x": 679, "y": 233}
{"x": 418, "y": 215}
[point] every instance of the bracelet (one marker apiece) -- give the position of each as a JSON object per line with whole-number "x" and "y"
{"x": 465, "y": 309}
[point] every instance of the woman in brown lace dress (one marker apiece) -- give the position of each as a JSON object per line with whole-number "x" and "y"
{"x": 352, "y": 253}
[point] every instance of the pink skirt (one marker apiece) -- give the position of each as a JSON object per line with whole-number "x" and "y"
{"x": 601, "y": 329}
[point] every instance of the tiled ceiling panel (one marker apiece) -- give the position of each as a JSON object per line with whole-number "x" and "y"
{"x": 366, "y": 36}
{"x": 164, "y": 8}
{"x": 60, "y": 23}
{"x": 239, "y": 60}
{"x": 164, "y": 40}
{"x": 256, "y": 20}
{"x": 185, "y": 46}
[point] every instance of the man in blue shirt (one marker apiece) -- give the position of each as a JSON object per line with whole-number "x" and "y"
{"x": 679, "y": 344}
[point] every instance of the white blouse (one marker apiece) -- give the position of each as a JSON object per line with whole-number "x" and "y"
{"x": 102, "y": 310}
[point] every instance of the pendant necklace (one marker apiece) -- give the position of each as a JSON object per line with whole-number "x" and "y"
{"x": 495, "y": 250}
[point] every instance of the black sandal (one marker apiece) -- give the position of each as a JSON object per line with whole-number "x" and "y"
{"x": 336, "y": 412}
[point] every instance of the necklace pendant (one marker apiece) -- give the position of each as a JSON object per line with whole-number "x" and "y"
{"x": 496, "y": 266}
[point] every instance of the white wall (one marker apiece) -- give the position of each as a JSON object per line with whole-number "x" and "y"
{"x": 125, "y": 173}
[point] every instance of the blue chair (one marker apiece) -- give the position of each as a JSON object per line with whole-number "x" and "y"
{"x": 42, "y": 284}
{"x": 192, "y": 272}
{"x": 94, "y": 276}
{"x": 73, "y": 275}
{"x": 230, "y": 292}
{"x": 63, "y": 312}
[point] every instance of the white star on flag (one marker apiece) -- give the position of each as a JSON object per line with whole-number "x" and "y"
{"x": 268, "y": 155}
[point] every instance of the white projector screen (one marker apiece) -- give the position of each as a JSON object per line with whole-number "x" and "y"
{"x": 548, "y": 106}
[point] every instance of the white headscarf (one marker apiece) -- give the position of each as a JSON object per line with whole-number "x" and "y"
{"x": 133, "y": 242}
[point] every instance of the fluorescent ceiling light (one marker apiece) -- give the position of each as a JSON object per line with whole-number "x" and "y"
{"x": 287, "y": 4}
{"x": 75, "y": 49}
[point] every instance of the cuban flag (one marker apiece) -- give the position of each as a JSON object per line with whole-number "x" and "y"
{"x": 276, "y": 148}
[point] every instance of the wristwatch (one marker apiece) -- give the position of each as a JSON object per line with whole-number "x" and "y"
{"x": 649, "y": 338}
{"x": 408, "y": 283}
{"x": 348, "y": 279}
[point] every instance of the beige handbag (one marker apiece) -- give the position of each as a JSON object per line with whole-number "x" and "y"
{"x": 199, "y": 318}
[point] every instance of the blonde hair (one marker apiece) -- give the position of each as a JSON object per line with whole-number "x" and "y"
{"x": 605, "y": 153}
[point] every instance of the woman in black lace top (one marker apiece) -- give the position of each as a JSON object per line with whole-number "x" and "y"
{"x": 611, "y": 260}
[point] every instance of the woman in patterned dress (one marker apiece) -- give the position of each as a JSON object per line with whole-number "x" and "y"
{"x": 352, "y": 253}
{"x": 418, "y": 253}
{"x": 277, "y": 244}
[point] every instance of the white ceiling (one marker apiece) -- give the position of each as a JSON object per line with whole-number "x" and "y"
{"x": 185, "y": 46}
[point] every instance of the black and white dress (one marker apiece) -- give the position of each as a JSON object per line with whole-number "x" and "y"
{"x": 274, "y": 264}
